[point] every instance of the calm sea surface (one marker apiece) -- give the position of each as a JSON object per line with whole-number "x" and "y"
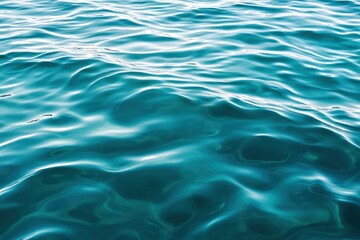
{"x": 182, "y": 119}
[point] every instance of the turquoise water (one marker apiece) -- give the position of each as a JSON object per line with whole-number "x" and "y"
{"x": 159, "y": 119}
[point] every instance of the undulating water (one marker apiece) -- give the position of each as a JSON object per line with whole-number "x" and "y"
{"x": 181, "y": 119}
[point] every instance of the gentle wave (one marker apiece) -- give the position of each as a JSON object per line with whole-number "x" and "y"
{"x": 179, "y": 119}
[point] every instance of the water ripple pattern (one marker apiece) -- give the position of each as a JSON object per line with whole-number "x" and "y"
{"x": 182, "y": 119}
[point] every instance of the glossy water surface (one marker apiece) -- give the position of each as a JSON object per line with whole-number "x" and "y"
{"x": 181, "y": 119}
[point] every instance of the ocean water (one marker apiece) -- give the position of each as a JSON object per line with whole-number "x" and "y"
{"x": 159, "y": 119}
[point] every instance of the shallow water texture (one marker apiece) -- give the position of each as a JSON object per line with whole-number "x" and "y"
{"x": 213, "y": 120}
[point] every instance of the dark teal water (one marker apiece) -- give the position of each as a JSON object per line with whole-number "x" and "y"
{"x": 213, "y": 120}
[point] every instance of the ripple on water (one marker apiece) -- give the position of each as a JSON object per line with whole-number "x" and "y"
{"x": 179, "y": 119}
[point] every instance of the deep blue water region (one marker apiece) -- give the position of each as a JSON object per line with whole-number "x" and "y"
{"x": 179, "y": 119}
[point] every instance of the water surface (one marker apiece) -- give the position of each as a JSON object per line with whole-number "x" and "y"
{"x": 179, "y": 119}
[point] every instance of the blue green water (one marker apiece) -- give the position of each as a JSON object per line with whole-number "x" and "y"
{"x": 182, "y": 119}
